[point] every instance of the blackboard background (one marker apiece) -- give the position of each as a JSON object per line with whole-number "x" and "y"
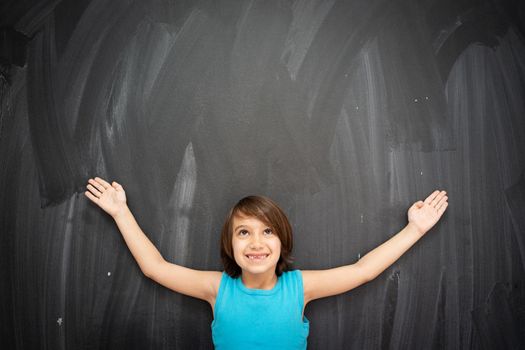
{"x": 344, "y": 112}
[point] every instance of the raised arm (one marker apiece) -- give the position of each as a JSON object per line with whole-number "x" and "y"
{"x": 112, "y": 199}
{"x": 422, "y": 216}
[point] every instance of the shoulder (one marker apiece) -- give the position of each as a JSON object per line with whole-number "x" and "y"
{"x": 215, "y": 279}
{"x": 291, "y": 274}
{"x": 293, "y": 277}
{"x": 218, "y": 279}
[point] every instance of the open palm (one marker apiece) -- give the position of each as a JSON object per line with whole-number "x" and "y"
{"x": 425, "y": 214}
{"x": 111, "y": 198}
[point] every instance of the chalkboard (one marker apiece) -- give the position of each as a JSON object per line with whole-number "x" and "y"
{"x": 343, "y": 112}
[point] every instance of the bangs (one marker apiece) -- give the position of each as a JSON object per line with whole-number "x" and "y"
{"x": 252, "y": 210}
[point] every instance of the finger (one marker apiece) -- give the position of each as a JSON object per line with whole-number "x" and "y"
{"x": 97, "y": 185}
{"x": 94, "y": 191}
{"x": 91, "y": 197}
{"x": 430, "y": 198}
{"x": 442, "y": 201}
{"x": 438, "y": 198}
{"x": 442, "y": 209}
{"x": 116, "y": 185}
{"x": 103, "y": 182}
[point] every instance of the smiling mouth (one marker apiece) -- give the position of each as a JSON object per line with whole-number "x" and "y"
{"x": 257, "y": 257}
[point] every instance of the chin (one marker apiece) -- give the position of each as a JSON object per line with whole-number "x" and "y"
{"x": 257, "y": 267}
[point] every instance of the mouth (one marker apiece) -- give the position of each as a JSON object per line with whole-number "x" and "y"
{"x": 257, "y": 257}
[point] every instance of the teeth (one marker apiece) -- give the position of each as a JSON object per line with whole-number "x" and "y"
{"x": 260, "y": 257}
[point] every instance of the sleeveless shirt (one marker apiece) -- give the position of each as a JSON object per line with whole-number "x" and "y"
{"x": 247, "y": 318}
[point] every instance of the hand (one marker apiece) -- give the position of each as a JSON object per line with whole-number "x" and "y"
{"x": 424, "y": 215}
{"x": 111, "y": 198}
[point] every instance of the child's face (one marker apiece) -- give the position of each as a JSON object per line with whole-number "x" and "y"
{"x": 256, "y": 248}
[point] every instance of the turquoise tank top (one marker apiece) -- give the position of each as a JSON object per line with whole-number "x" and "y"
{"x": 247, "y": 318}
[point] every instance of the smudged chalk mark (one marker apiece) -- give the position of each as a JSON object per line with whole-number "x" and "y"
{"x": 515, "y": 197}
{"x": 505, "y": 305}
{"x": 440, "y": 335}
{"x": 445, "y": 33}
{"x": 308, "y": 17}
{"x": 180, "y": 205}
{"x": 389, "y": 311}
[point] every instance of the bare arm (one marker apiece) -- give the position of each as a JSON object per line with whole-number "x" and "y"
{"x": 195, "y": 283}
{"x": 422, "y": 217}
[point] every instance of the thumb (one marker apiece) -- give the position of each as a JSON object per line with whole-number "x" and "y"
{"x": 418, "y": 204}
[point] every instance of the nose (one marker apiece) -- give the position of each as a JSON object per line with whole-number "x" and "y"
{"x": 255, "y": 241}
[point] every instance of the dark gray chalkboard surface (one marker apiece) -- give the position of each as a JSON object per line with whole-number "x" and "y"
{"x": 344, "y": 112}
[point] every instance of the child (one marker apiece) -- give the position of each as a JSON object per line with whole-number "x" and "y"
{"x": 257, "y": 302}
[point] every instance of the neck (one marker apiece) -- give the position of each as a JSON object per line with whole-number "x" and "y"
{"x": 259, "y": 281}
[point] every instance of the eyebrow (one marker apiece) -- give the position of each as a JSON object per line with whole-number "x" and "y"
{"x": 238, "y": 227}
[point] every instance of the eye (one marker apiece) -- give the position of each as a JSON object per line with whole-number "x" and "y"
{"x": 268, "y": 231}
{"x": 242, "y": 233}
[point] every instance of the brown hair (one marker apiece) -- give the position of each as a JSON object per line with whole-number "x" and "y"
{"x": 267, "y": 211}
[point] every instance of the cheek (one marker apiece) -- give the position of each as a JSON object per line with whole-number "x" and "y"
{"x": 237, "y": 248}
{"x": 277, "y": 247}
{"x": 237, "y": 254}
